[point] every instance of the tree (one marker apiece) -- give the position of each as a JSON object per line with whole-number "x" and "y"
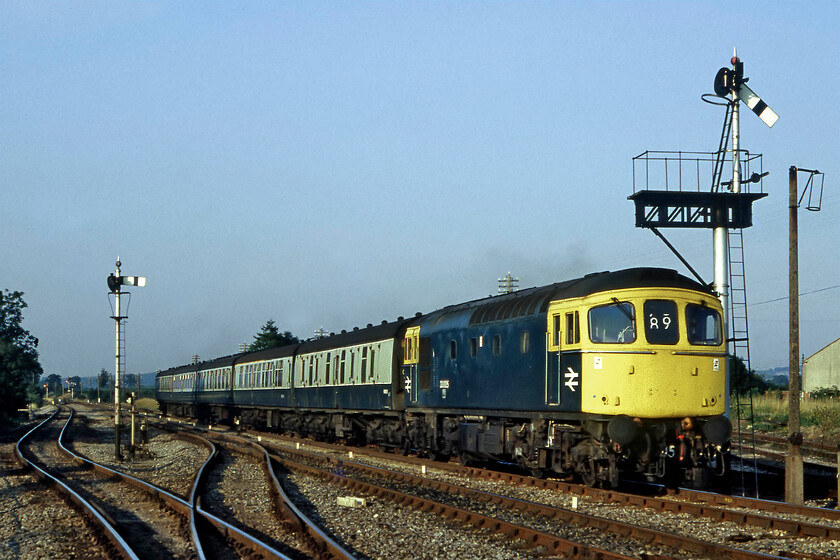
{"x": 742, "y": 381}
{"x": 104, "y": 378}
{"x": 53, "y": 382}
{"x": 270, "y": 337}
{"x": 19, "y": 365}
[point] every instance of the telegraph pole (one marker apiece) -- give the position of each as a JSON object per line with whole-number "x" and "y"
{"x": 794, "y": 470}
{"x": 115, "y": 281}
{"x": 794, "y": 477}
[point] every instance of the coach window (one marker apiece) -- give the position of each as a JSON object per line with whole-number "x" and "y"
{"x": 372, "y": 370}
{"x": 327, "y": 366}
{"x": 613, "y": 323}
{"x": 364, "y": 364}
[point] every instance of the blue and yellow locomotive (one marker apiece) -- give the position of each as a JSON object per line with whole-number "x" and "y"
{"x": 616, "y": 372}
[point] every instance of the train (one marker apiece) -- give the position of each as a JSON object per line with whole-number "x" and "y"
{"x": 609, "y": 376}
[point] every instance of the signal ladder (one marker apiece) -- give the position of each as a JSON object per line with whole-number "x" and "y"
{"x": 740, "y": 340}
{"x": 121, "y": 349}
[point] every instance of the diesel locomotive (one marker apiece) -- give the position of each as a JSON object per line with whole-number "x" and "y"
{"x": 612, "y": 374}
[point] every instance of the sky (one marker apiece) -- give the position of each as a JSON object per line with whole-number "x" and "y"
{"x": 333, "y": 164}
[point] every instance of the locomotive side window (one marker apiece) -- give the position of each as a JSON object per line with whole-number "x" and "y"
{"x": 497, "y": 345}
{"x": 453, "y": 350}
{"x": 473, "y": 347}
{"x": 572, "y": 328}
{"x": 703, "y": 325}
{"x": 613, "y": 323}
{"x": 661, "y": 324}
{"x": 524, "y": 342}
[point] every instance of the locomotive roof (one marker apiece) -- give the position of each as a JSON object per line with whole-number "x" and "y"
{"x": 527, "y": 302}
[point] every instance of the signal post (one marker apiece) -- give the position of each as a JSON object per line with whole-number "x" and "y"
{"x": 115, "y": 281}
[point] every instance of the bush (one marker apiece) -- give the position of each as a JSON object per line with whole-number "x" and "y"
{"x": 150, "y": 405}
{"x": 825, "y": 414}
{"x": 826, "y": 393}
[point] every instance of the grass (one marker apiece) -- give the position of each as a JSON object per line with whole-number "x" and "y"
{"x": 819, "y": 418}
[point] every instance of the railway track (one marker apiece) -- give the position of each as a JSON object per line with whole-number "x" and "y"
{"x": 140, "y": 524}
{"x": 136, "y": 519}
{"x": 236, "y": 508}
{"x": 738, "y": 527}
{"x": 28, "y": 505}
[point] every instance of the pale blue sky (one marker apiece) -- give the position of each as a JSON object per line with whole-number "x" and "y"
{"x": 331, "y": 164}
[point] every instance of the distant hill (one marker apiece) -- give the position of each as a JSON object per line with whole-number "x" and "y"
{"x": 774, "y": 372}
{"x": 777, "y": 376}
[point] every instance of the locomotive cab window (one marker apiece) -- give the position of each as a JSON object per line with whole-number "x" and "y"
{"x": 613, "y": 323}
{"x": 703, "y": 325}
{"x": 661, "y": 322}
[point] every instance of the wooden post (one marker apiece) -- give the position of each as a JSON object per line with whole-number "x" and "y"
{"x": 794, "y": 477}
